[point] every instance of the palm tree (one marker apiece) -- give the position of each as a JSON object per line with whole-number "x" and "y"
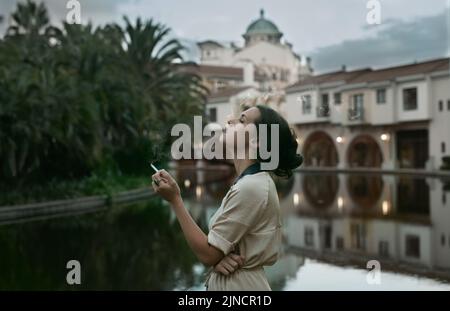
{"x": 155, "y": 57}
{"x": 30, "y": 18}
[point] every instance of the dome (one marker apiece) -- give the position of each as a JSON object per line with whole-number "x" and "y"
{"x": 264, "y": 28}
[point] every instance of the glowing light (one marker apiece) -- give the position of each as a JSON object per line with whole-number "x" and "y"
{"x": 386, "y": 207}
{"x": 198, "y": 192}
{"x": 296, "y": 199}
{"x": 339, "y": 139}
{"x": 384, "y": 137}
{"x": 187, "y": 183}
{"x": 340, "y": 203}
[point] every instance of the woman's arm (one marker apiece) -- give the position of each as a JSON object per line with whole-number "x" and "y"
{"x": 197, "y": 240}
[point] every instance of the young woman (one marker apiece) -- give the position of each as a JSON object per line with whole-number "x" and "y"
{"x": 245, "y": 232}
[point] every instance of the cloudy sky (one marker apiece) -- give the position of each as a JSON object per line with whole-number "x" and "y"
{"x": 331, "y": 32}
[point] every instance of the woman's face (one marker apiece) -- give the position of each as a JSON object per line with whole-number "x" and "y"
{"x": 237, "y": 126}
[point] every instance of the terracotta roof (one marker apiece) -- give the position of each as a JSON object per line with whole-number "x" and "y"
{"x": 369, "y": 75}
{"x": 404, "y": 70}
{"x": 219, "y": 71}
{"x": 336, "y": 76}
{"x": 227, "y": 92}
{"x": 214, "y": 71}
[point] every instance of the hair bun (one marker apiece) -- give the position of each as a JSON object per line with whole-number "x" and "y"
{"x": 291, "y": 159}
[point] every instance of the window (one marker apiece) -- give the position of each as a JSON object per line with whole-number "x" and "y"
{"x": 410, "y": 99}
{"x": 441, "y": 105}
{"x": 309, "y": 236}
{"x": 381, "y": 96}
{"x": 337, "y": 98}
{"x": 448, "y": 104}
{"x": 212, "y": 114}
{"x": 412, "y": 246}
{"x": 442, "y": 240}
{"x": 339, "y": 242}
{"x": 358, "y": 236}
{"x": 325, "y": 99}
{"x": 306, "y": 104}
{"x": 383, "y": 248}
{"x": 355, "y": 111}
{"x": 358, "y": 101}
{"x": 444, "y": 198}
{"x": 443, "y": 147}
{"x": 324, "y": 109}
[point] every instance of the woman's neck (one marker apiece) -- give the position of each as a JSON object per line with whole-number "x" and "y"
{"x": 241, "y": 164}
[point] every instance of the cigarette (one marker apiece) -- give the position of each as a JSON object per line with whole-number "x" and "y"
{"x": 154, "y": 168}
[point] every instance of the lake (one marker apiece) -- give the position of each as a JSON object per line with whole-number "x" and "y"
{"x": 334, "y": 226}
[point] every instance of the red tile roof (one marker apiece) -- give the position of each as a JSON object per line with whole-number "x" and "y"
{"x": 404, "y": 70}
{"x": 227, "y": 92}
{"x": 369, "y": 75}
{"x": 214, "y": 71}
{"x": 337, "y": 76}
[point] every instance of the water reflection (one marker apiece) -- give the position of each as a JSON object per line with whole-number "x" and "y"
{"x": 126, "y": 248}
{"x": 332, "y": 222}
{"x": 401, "y": 221}
{"x": 320, "y": 190}
{"x": 365, "y": 191}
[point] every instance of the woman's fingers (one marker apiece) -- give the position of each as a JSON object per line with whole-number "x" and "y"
{"x": 238, "y": 258}
{"x": 167, "y": 177}
{"x": 221, "y": 269}
{"x": 229, "y": 266}
{"x": 155, "y": 188}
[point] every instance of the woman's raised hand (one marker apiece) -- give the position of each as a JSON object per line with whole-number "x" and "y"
{"x": 166, "y": 186}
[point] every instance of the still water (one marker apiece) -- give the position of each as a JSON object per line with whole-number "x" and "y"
{"x": 334, "y": 224}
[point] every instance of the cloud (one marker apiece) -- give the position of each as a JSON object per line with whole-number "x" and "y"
{"x": 397, "y": 42}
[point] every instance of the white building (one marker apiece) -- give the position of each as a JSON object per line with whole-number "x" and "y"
{"x": 265, "y": 61}
{"x": 388, "y": 118}
{"x": 395, "y": 117}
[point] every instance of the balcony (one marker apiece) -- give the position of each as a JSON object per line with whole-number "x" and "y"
{"x": 355, "y": 114}
{"x": 323, "y": 111}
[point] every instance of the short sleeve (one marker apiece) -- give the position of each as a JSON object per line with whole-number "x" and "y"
{"x": 241, "y": 209}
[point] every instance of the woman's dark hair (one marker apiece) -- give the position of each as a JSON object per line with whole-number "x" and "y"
{"x": 289, "y": 159}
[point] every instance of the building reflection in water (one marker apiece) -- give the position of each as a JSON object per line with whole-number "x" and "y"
{"x": 402, "y": 221}
{"x": 348, "y": 219}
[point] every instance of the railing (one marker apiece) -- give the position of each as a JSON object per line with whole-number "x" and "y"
{"x": 355, "y": 114}
{"x": 323, "y": 111}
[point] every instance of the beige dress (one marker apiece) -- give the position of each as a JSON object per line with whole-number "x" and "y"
{"x": 248, "y": 222}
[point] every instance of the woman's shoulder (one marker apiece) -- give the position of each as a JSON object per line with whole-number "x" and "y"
{"x": 254, "y": 185}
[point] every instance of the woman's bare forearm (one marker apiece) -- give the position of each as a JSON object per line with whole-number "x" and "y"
{"x": 196, "y": 238}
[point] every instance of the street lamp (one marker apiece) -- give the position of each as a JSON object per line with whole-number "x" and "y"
{"x": 384, "y": 137}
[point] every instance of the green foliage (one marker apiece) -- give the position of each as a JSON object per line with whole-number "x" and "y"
{"x": 77, "y": 97}
{"x": 95, "y": 184}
